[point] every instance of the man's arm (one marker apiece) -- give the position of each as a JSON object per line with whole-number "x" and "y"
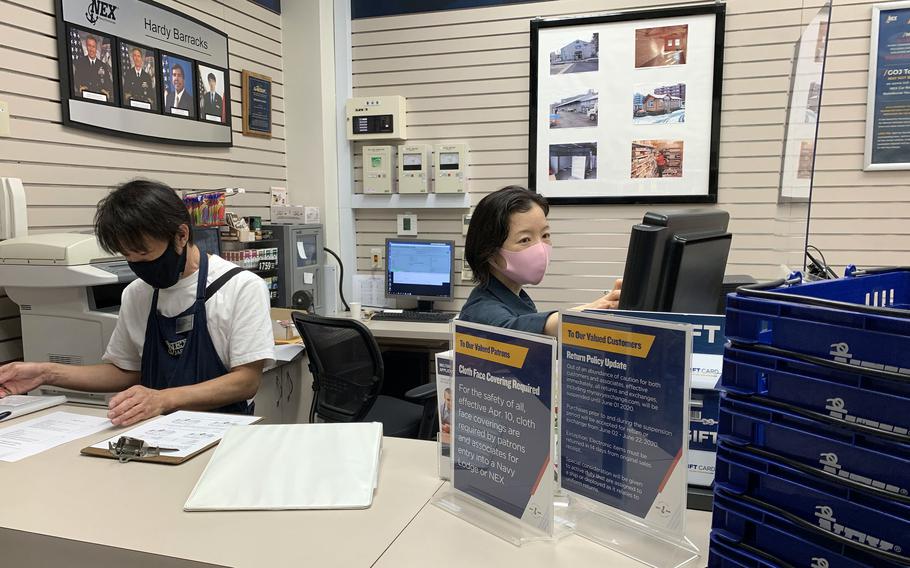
{"x": 20, "y": 378}
{"x": 138, "y": 403}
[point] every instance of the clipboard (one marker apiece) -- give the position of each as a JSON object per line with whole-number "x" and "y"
{"x": 192, "y": 433}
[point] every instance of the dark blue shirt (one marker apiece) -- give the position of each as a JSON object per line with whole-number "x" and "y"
{"x": 496, "y": 305}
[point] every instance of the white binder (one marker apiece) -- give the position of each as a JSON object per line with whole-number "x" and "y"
{"x": 22, "y": 404}
{"x": 291, "y": 466}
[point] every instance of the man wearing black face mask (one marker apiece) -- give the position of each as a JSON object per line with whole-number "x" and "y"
{"x": 194, "y": 331}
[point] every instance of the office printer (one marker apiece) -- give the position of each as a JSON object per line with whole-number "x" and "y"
{"x": 68, "y": 291}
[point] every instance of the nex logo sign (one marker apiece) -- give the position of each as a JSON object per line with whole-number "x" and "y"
{"x": 101, "y": 9}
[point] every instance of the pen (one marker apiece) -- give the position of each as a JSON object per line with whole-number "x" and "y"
{"x": 5, "y": 414}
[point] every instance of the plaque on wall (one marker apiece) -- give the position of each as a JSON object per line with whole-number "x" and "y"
{"x": 257, "y": 104}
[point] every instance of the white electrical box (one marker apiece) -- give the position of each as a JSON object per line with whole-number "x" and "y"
{"x": 378, "y": 173}
{"x": 466, "y": 273}
{"x": 407, "y": 225}
{"x": 413, "y": 168}
{"x": 376, "y": 118}
{"x": 450, "y": 161}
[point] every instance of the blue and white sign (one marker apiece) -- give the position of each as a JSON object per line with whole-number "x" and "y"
{"x": 624, "y": 406}
{"x": 502, "y": 423}
{"x": 888, "y": 111}
{"x": 704, "y": 411}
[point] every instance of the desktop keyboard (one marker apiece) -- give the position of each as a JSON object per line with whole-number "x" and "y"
{"x": 414, "y": 315}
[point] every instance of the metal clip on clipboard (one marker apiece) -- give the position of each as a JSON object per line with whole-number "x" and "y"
{"x": 126, "y": 449}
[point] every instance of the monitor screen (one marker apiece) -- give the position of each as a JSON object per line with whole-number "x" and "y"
{"x": 411, "y": 162}
{"x": 419, "y": 268}
{"x": 307, "y": 252}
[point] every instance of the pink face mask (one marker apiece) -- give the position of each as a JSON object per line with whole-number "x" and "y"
{"x": 526, "y": 266}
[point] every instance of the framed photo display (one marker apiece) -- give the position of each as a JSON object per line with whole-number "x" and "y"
{"x": 139, "y": 69}
{"x": 625, "y": 108}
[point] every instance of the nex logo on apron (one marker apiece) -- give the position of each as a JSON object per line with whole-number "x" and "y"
{"x": 175, "y": 349}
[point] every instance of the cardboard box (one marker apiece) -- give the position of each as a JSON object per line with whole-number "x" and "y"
{"x": 282, "y": 325}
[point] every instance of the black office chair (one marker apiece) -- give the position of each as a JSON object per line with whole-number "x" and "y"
{"x": 347, "y": 376}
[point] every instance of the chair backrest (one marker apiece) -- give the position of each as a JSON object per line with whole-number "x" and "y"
{"x": 346, "y": 364}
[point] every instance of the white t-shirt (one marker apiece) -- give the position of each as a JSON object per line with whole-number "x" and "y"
{"x": 238, "y": 315}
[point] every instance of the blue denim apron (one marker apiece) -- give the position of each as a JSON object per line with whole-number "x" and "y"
{"x": 178, "y": 351}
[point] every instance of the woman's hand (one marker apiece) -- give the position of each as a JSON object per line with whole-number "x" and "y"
{"x": 609, "y": 301}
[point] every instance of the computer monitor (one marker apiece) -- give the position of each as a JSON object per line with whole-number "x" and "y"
{"x": 208, "y": 239}
{"x": 420, "y": 269}
{"x": 676, "y": 262}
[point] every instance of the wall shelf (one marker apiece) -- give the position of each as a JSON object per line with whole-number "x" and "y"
{"x": 411, "y": 201}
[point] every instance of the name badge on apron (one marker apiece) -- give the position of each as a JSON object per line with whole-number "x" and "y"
{"x": 185, "y": 324}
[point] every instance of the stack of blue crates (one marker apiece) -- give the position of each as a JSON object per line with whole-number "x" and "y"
{"x": 813, "y": 459}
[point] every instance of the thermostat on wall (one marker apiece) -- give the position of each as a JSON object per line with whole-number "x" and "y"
{"x": 374, "y": 118}
{"x": 407, "y": 225}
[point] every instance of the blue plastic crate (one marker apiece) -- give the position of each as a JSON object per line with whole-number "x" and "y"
{"x": 845, "y": 396}
{"x": 745, "y": 527}
{"x": 861, "y": 515}
{"x": 863, "y": 320}
{"x": 827, "y": 449}
{"x": 724, "y": 554}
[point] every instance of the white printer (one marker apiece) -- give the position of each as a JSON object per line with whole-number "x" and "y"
{"x": 68, "y": 291}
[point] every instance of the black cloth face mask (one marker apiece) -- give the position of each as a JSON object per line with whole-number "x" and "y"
{"x": 164, "y": 271}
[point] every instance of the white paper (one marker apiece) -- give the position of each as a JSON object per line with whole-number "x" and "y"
{"x": 94, "y": 96}
{"x": 312, "y": 215}
{"x": 21, "y": 404}
{"x": 186, "y": 431}
{"x": 287, "y": 352}
{"x": 46, "y": 432}
{"x": 291, "y": 466}
{"x": 279, "y": 195}
{"x": 307, "y": 277}
{"x": 301, "y": 252}
{"x": 369, "y": 290}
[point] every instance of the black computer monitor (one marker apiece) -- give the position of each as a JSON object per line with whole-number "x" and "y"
{"x": 676, "y": 262}
{"x": 420, "y": 269}
{"x": 208, "y": 239}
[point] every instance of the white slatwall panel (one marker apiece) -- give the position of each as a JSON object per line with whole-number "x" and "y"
{"x": 67, "y": 171}
{"x": 465, "y": 73}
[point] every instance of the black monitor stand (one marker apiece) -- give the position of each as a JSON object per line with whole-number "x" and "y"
{"x": 425, "y": 305}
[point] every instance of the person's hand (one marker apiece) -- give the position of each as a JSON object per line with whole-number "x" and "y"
{"x": 20, "y": 378}
{"x": 609, "y": 301}
{"x": 135, "y": 404}
{"x": 446, "y": 428}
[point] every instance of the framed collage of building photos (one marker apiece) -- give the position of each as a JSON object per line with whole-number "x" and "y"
{"x": 625, "y": 108}
{"x": 139, "y": 69}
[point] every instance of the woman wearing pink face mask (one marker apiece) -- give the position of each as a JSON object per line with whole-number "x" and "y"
{"x": 508, "y": 246}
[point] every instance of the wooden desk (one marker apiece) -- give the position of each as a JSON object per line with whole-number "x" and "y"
{"x": 63, "y": 509}
{"x": 439, "y": 539}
